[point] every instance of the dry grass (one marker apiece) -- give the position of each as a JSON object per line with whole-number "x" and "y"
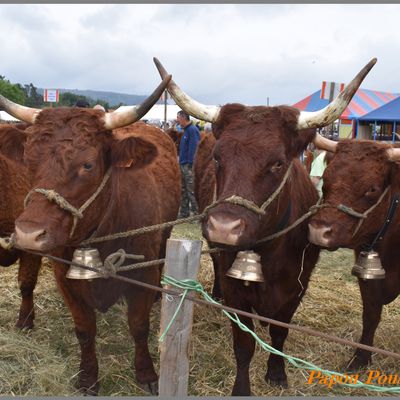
{"x": 46, "y": 360}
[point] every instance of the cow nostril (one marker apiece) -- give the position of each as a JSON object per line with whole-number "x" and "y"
{"x": 238, "y": 228}
{"x": 40, "y": 235}
{"x": 211, "y": 223}
{"x": 327, "y": 233}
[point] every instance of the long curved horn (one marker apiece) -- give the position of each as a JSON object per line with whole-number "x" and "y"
{"x": 189, "y": 105}
{"x": 129, "y": 114}
{"x": 22, "y": 113}
{"x": 333, "y": 110}
{"x": 325, "y": 143}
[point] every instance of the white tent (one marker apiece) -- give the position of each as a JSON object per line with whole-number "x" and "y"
{"x": 157, "y": 112}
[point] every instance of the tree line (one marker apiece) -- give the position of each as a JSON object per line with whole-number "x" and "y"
{"x": 27, "y": 95}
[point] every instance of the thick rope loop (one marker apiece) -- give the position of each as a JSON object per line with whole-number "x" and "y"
{"x": 250, "y": 205}
{"x": 114, "y": 261}
{"x": 55, "y": 197}
{"x": 7, "y": 243}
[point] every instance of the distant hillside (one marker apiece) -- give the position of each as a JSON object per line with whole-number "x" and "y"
{"x": 112, "y": 98}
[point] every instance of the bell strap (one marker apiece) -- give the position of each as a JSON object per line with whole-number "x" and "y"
{"x": 389, "y": 217}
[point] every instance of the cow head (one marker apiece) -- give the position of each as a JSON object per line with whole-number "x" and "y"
{"x": 69, "y": 151}
{"x": 254, "y": 149}
{"x": 252, "y": 154}
{"x": 357, "y": 177}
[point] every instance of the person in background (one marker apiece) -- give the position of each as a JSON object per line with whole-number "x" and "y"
{"x": 317, "y": 170}
{"x": 208, "y": 127}
{"x": 82, "y": 103}
{"x": 187, "y": 149}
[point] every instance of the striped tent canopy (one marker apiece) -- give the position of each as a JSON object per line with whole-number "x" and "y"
{"x": 388, "y": 112}
{"x": 363, "y": 102}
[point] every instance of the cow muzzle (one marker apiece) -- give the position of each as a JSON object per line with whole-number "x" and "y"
{"x": 30, "y": 237}
{"x": 320, "y": 233}
{"x": 224, "y": 229}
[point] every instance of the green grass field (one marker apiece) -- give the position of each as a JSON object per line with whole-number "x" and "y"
{"x": 45, "y": 361}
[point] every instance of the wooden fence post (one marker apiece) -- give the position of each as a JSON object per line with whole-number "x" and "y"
{"x": 182, "y": 262}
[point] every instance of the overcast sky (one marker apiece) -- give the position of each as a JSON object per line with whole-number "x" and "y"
{"x": 216, "y": 53}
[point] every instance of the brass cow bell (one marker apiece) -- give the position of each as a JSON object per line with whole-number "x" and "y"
{"x": 246, "y": 267}
{"x": 368, "y": 266}
{"x": 88, "y": 257}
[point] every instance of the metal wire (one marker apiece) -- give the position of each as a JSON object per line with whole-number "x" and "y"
{"x": 229, "y": 309}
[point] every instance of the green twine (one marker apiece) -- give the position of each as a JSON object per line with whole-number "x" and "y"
{"x": 190, "y": 284}
{"x": 183, "y": 295}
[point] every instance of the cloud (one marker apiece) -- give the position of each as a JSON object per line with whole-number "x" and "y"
{"x": 217, "y": 53}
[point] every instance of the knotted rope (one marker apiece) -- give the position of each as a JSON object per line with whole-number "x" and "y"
{"x": 113, "y": 262}
{"x": 55, "y": 197}
{"x": 250, "y": 205}
{"x": 237, "y": 200}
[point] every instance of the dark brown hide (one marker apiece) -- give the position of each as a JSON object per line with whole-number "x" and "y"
{"x": 357, "y": 176}
{"x": 204, "y": 173}
{"x": 14, "y": 187}
{"x": 69, "y": 151}
{"x": 253, "y": 150}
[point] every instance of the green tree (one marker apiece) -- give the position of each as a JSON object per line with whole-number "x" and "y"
{"x": 68, "y": 99}
{"x": 33, "y": 98}
{"x": 13, "y": 92}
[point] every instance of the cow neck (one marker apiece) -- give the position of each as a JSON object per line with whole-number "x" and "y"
{"x": 389, "y": 218}
{"x": 285, "y": 218}
{"x": 77, "y": 213}
{"x": 250, "y": 205}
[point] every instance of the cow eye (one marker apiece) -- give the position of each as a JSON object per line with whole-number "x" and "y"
{"x": 216, "y": 163}
{"x": 277, "y": 166}
{"x": 87, "y": 166}
{"x": 372, "y": 191}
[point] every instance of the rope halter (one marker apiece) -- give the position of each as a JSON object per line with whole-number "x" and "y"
{"x": 349, "y": 211}
{"x": 55, "y": 197}
{"x": 250, "y": 205}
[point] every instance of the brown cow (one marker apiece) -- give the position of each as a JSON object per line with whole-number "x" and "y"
{"x": 372, "y": 166}
{"x": 69, "y": 150}
{"x": 204, "y": 179}
{"x": 14, "y": 187}
{"x": 255, "y": 158}
{"x": 175, "y": 136}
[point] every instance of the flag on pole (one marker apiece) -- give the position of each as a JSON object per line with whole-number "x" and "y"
{"x": 330, "y": 90}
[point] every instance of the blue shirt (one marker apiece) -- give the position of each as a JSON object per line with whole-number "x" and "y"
{"x": 188, "y": 144}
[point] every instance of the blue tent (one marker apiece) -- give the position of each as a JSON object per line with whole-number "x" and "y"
{"x": 388, "y": 112}
{"x": 363, "y": 102}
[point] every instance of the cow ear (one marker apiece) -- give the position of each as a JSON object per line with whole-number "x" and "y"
{"x": 12, "y": 142}
{"x": 300, "y": 141}
{"x": 132, "y": 151}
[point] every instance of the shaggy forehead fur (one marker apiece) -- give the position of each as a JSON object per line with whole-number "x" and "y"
{"x": 61, "y": 131}
{"x": 257, "y": 119}
{"x": 359, "y": 160}
{"x": 260, "y": 124}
